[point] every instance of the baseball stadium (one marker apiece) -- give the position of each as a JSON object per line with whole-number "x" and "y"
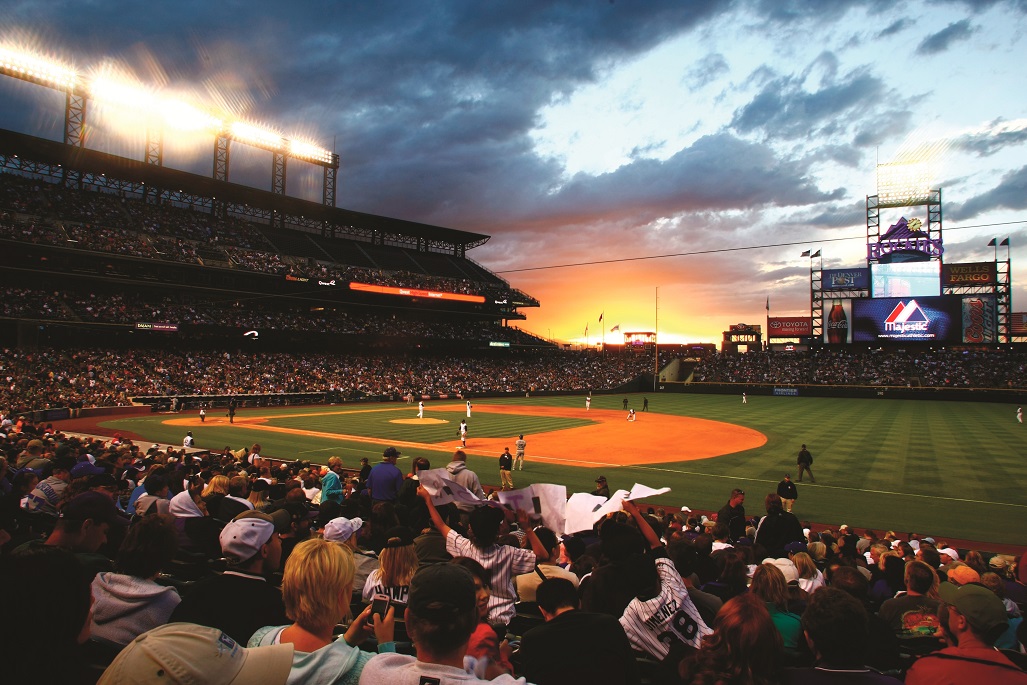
{"x": 202, "y": 320}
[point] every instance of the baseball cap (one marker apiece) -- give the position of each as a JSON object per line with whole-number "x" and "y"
{"x": 795, "y": 547}
{"x": 85, "y": 468}
{"x": 94, "y": 506}
{"x": 982, "y": 607}
{"x": 390, "y": 453}
{"x": 601, "y": 479}
{"x": 962, "y": 574}
{"x": 190, "y": 654}
{"x": 243, "y": 537}
{"x": 441, "y": 591}
{"x": 34, "y": 445}
{"x": 341, "y": 529}
{"x": 785, "y": 566}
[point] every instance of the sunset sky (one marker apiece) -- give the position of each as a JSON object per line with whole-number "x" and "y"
{"x": 731, "y": 135}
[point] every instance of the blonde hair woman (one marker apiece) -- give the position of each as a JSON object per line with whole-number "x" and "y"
{"x": 810, "y": 577}
{"x": 316, "y": 587}
{"x": 397, "y": 564}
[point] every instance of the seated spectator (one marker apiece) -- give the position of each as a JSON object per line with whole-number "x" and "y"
{"x": 42, "y": 631}
{"x": 574, "y": 645}
{"x": 396, "y": 566}
{"x": 883, "y": 650}
{"x": 344, "y": 531}
{"x": 625, "y": 570}
{"x": 235, "y": 502}
{"x": 440, "y": 617}
{"x": 128, "y": 602}
{"x": 188, "y": 654}
{"x": 734, "y": 576}
{"x": 82, "y": 528}
{"x": 548, "y": 567}
{"x": 811, "y": 578}
{"x": 240, "y": 600}
{"x": 1013, "y": 614}
{"x": 744, "y": 647}
{"x": 49, "y": 491}
{"x": 155, "y": 501}
{"x": 491, "y": 657}
{"x": 768, "y": 583}
{"x": 835, "y": 626}
{"x": 914, "y": 614}
{"x": 197, "y": 530}
{"x": 316, "y": 587}
{"x": 972, "y": 618}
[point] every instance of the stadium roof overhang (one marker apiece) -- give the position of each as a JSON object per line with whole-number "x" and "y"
{"x": 43, "y": 151}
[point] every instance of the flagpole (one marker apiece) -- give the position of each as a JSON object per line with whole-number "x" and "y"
{"x": 656, "y": 341}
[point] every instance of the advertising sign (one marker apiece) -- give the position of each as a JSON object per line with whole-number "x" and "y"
{"x": 980, "y": 323}
{"x": 845, "y": 279}
{"x": 976, "y": 273}
{"x": 789, "y": 326}
{"x": 925, "y": 319}
{"x": 837, "y": 329}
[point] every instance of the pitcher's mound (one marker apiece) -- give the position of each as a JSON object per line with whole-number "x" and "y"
{"x": 419, "y": 422}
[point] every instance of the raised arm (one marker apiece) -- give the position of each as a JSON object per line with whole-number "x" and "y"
{"x": 436, "y": 518}
{"x": 541, "y": 553}
{"x": 643, "y": 525}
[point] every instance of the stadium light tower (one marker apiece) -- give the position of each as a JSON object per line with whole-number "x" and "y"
{"x": 159, "y": 112}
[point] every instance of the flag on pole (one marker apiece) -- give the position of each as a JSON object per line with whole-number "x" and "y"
{"x": 615, "y": 328}
{"x": 805, "y": 253}
{"x": 992, "y": 243}
{"x": 601, "y": 317}
{"x": 586, "y": 329}
{"x": 1005, "y": 243}
{"x": 768, "y": 303}
{"x": 815, "y": 254}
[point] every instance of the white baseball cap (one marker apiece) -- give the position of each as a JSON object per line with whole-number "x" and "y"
{"x": 341, "y": 529}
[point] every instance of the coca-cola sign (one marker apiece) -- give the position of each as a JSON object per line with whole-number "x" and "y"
{"x": 789, "y": 326}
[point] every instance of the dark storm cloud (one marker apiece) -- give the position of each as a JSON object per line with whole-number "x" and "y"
{"x": 783, "y": 108}
{"x": 1010, "y": 193}
{"x": 943, "y": 40}
{"x": 992, "y": 140}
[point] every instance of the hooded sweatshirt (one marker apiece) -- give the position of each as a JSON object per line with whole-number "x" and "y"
{"x": 126, "y": 606}
{"x": 460, "y": 474}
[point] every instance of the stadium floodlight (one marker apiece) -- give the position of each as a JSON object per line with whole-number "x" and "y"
{"x": 36, "y": 68}
{"x": 107, "y": 88}
{"x": 304, "y": 150}
{"x": 255, "y": 135}
{"x": 184, "y": 116}
{"x": 905, "y": 183}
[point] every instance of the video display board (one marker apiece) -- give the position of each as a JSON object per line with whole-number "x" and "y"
{"x": 906, "y": 279}
{"x": 948, "y": 318}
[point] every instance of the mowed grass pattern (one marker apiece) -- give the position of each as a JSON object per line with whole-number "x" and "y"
{"x": 945, "y": 468}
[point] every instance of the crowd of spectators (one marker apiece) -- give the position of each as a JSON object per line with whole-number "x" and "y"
{"x": 43, "y": 213}
{"x": 47, "y": 378}
{"x": 936, "y": 368}
{"x": 173, "y": 542}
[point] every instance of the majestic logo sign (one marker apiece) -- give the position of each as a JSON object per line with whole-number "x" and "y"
{"x": 907, "y": 318}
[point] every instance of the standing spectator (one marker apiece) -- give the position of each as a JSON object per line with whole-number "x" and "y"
{"x": 331, "y": 483}
{"x": 732, "y": 514}
{"x": 777, "y": 529}
{"x": 459, "y": 473}
{"x": 788, "y": 493}
{"x": 502, "y": 561}
{"x": 385, "y": 479}
{"x": 805, "y": 461}
{"x": 505, "y": 469}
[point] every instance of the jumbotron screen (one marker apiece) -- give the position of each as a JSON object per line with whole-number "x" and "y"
{"x": 948, "y": 318}
{"x": 906, "y": 279}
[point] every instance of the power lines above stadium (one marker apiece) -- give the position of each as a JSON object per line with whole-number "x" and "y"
{"x": 741, "y": 248}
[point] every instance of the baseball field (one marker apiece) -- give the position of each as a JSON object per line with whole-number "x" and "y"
{"x": 949, "y": 469}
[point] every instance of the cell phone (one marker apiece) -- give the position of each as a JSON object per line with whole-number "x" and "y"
{"x": 380, "y": 604}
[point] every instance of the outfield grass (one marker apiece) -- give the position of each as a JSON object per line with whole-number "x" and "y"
{"x": 952, "y": 469}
